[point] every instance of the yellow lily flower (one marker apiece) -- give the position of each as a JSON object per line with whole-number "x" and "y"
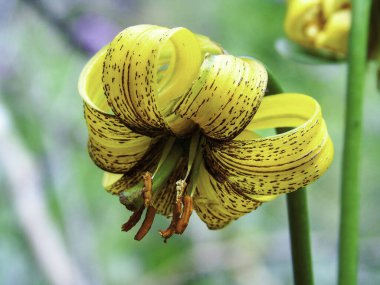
{"x": 320, "y": 25}
{"x": 172, "y": 120}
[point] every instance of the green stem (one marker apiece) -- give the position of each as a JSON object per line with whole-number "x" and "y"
{"x": 298, "y": 218}
{"x": 300, "y": 237}
{"x": 349, "y": 215}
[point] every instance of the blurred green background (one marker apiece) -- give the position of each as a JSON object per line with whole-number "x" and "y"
{"x": 57, "y": 224}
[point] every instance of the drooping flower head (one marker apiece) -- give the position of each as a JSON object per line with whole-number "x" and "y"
{"x": 320, "y": 25}
{"x": 172, "y": 120}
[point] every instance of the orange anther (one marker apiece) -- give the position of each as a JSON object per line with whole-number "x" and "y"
{"x": 177, "y": 210}
{"x": 133, "y": 220}
{"x": 187, "y": 210}
{"x": 147, "y": 223}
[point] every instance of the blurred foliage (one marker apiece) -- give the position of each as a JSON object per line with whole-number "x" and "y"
{"x": 43, "y": 51}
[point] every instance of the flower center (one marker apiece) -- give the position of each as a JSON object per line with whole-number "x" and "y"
{"x": 182, "y": 206}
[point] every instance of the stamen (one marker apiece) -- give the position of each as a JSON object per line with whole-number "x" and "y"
{"x": 177, "y": 210}
{"x": 147, "y": 223}
{"x": 132, "y": 197}
{"x": 187, "y": 211}
{"x": 133, "y": 220}
{"x": 147, "y": 190}
{"x": 178, "y": 214}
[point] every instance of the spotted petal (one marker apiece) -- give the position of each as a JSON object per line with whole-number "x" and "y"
{"x": 276, "y": 164}
{"x": 217, "y": 203}
{"x": 208, "y": 46}
{"x": 112, "y": 145}
{"x": 146, "y": 69}
{"x": 225, "y": 96}
{"x": 115, "y": 183}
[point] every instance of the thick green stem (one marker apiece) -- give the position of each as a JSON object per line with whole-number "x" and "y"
{"x": 349, "y": 216}
{"x": 298, "y": 218}
{"x": 299, "y": 236}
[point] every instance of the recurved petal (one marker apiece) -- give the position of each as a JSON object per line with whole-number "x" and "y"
{"x": 90, "y": 85}
{"x": 276, "y": 164}
{"x": 115, "y": 183}
{"x": 112, "y": 146}
{"x": 225, "y": 96}
{"x": 217, "y": 204}
{"x": 146, "y": 69}
{"x": 208, "y": 46}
